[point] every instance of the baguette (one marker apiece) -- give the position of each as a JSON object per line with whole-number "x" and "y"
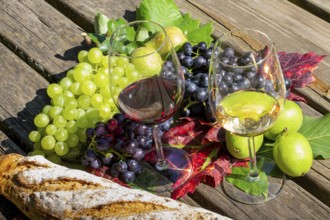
{"x": 44, "y": 190}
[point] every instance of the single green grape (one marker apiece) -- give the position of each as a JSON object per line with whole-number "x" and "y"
{"x": 112, "y": 61}
{"x": 55, "y": 111}
{"x": 68, "y": 94}
{"x": 45, "y": 110}
{"x": 70, "y": 113}
{"x": 82, "y": 134}
{"x": 54, "y": 90}
{"x": 115, "y": 79}
{"x": 105, "y": 61}
{"x": 34, "y": 136}
{"x": 58, "y": 100}
{"x": 84, "y": 101}
{"x": 95, "y": 55}
{"x": 82, "y": 122}
{"x": 54, "y": 158}
{"x": 75, "y": 88}
{"x": 122, "y": 61}
{"x": 71, "y": 127}
{"x": 85, "y": 65}
{"x": 105, "y": 110}
{"x": 118, "y": 70}
{"x": 88, "y": 87}
{"x": 59, "y": 121}
{"x": 71, "y": 102}
{"x": 37, "y": 145}
{"x": 81, "y": 74}
{"x": 92, "y": 113}
{"x": 123, "y": 83}
{"x": 66, "y": 82}
{"x": 72, "y": 141}
{"x": 51, "y": 129}
{"x": 80, "y": 112}
{"x": 105, "y": 92}
{"x": 103, "y": 70}
{"x": 41, "y": 120}
{"x": 61, "y": 148}
{"x": 82, "y": 56}
{"x": 36, "y": 152}
{"x": 70, "y": 74}
{"x": 96, "y": 99}
{"x": 101, "y": 80}
{"x": 48, "y": 142}
{"x": 61, "y": 134}
{"x": 133, "y": 75}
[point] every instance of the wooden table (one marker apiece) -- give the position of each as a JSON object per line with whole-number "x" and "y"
{"x": 39, "y": 42}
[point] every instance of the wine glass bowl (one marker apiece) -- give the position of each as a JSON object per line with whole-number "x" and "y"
{"x": 246, "y": 95}
{"x": 142, "y": 54}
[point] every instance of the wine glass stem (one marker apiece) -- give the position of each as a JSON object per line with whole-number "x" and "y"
{"x": 253, "y": 173}
{"x": 161, "y": 162}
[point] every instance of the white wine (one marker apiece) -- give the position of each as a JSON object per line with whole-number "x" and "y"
{"x": 247, "y": 113}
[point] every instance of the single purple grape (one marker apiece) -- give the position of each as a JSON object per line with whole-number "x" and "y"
{"x": 121, "y": 166}
{"x": 127, "y": 177}
{"x": 139, "y": 154}
{"x": 130, "y": 146}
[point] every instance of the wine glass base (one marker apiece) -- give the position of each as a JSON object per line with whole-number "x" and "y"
{"x": 158, "y": 179}
{"x": 275, "y": 180}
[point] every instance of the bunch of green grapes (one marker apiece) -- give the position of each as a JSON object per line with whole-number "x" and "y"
{"x": 79, "y": 101}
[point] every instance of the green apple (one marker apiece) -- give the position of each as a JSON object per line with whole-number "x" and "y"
{"x": 238, "y": 145}
{"x": 159, "y": 43}
{"x": 147, "y": 61}
{"x": 293, "y": 153}
{"x": 290, "y": 118}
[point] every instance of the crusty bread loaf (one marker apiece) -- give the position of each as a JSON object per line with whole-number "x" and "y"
{"x": 43, "y": 190}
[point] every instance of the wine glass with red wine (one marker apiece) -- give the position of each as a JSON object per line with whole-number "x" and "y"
{"x": 147, "y": 86}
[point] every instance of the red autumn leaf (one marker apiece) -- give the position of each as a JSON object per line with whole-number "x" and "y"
{"x": 213, "y": 174}
{"x": 202, "y": 160}
{"x": 299, "y": 67}
{"x": 192, "y": 132}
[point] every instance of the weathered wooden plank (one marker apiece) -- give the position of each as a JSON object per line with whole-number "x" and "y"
{"x": 41, "y": 35}
{"x": 292, "y": 29}
{"x": 23, "y": 96}
{"x": 320, "y": 8}
{"x": 7, "y": 146}
{"x": 292, "y": 203}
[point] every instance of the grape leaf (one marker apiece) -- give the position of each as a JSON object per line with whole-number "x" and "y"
{"x": 299, "y": 67}
{"x": 189, "y": 132}
{"x": 317, "y": 132}
{"x": 205, "y": 169}
{"x": 164, "y": 12}
{"x": 203, "y": 33}
{"x": 188, "y": 24}
{"x": 238, "y": 177}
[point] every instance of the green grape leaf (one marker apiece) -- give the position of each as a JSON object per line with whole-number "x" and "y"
{"x": 164, "y": 12}
{"x": 203, "y": 33}
{"x": 238, "y": 177}
{"x": 113, "y": 24}
{"x": 317, "y": 132}
{"x": 101, "y": 23}
{"x": 188, "y": 24}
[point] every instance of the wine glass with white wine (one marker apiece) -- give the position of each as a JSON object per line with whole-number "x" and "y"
{"x": 246, "y": 95}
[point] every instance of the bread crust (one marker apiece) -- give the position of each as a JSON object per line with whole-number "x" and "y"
{"x": 44, "y": 190}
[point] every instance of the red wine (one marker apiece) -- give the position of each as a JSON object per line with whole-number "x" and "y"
{"x": 150, "y": 100}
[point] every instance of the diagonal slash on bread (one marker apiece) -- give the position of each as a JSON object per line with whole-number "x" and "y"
{"x": 44, "y": 190}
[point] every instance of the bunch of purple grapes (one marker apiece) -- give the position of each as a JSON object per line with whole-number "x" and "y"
{"x": 120, "y": 144}
{"x": 195, "y": 62}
